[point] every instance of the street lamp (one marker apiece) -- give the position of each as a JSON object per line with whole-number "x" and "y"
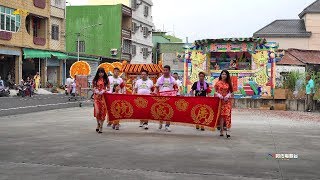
{"x": 78, "y": 37}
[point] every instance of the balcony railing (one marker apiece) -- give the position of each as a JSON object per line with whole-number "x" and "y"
{"x": 39, "y": 41}
{"x": 126, "y": 33}
{"x": 126, "y": 11}
{"x": 126, "y": 56}
{"x": 5, "y": 35}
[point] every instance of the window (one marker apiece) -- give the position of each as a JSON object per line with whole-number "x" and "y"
{"x": 55, "y": 32}
{"x": 9, "y": 21}
{"x": 145, "y": 31}
{"x": 145, "y": 52}
{"x": 134, "y": 4}
{"x": 126, "y": 47}
{"x": 134, "y": 27}
{"x": 82, "y": 46}
{"x": 146, "y": 11}
{"x": 133, "y": 50}
{"x": 57, "y": 3}
{"x": 36, "y": 26}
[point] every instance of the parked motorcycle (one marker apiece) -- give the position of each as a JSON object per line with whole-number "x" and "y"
{"x": 4, "y": 91}
{"x": 22, "y": 90}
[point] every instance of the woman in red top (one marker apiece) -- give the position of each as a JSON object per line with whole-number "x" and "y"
{"x": 100, "y": 86}
{"x": 224, "y": 90}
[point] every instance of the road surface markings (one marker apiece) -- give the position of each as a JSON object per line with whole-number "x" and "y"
{"x": 45, "y": 105}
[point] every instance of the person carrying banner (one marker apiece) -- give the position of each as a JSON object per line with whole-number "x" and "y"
{"x": 224, "y": 91}
{"x": 200, "y": 88}
{"x": 100, "y": 86}
{"x": 166, "y": 86}
{"x": 179, "y": 83}
{"x": 116, "y": 86}
{"x": 143, "y": 86}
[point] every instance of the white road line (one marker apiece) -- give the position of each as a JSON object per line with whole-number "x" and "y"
{"x": 45, "y": 105}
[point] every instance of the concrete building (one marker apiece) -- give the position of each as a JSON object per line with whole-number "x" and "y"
{"x": 142, "y": 25}
{"x": 160, "y": 38}
{"x": 303, "y": 33}
{"x": 32, "y": 39}
{"x": 170, "y": 51}
{"x": 103, "y": 31}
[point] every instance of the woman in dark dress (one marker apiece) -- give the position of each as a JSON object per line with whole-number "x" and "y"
{"x": 200, "y": 88}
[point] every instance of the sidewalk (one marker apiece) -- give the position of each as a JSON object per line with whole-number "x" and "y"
{"x": 40, "y": 91}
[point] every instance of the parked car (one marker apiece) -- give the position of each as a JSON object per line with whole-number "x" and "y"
{"x": 4, "y": 91}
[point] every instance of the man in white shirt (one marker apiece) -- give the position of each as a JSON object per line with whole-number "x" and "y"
{"x": 166, "y": 83}
{"x": 116, "y": 84}
{"x": 179, "y": 83}
{"x": 69, "y": 82}
{"x": 143, "y": 86}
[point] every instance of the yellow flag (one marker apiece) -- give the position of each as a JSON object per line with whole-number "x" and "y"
{"x": 16, "y": 12}
{"x": 20, "y": 12}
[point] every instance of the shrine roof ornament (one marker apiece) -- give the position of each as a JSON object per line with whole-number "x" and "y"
{"x": 205, "y": 42}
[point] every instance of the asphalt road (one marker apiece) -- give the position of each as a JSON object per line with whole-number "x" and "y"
{"x": 62, "y": 145}
{"x": 37, "y": 103}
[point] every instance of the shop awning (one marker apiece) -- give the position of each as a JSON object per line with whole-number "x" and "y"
{"x": 84, "y": 58}
{"x": 59, "y": 55}
{"x": 35, "y": 53}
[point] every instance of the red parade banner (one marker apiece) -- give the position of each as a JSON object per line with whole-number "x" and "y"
{"x": 203, "y": 111}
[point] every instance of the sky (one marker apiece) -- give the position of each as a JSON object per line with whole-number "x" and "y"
{"x": 211, "y": 19}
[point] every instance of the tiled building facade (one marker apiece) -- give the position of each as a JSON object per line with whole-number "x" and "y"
{"x": 28, "y": 40}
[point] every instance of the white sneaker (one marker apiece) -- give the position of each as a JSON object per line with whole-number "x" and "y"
{"x": 160, "y": 126}
{"x": 168, "y": 129}
{"x": 145, "y": 126}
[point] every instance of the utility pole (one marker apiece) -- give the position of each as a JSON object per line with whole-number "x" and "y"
{"x": 78, "y": 48}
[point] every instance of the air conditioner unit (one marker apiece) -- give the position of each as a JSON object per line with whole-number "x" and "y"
{"x": 114, "y": 52}
{"x": 139, "y": 2}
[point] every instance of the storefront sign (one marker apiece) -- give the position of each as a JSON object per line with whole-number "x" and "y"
{"x": 10, "y": 52}
{"x": 53, "y": 62}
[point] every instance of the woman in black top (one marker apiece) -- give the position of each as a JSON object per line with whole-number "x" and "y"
{"x": 200, "y": 88}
